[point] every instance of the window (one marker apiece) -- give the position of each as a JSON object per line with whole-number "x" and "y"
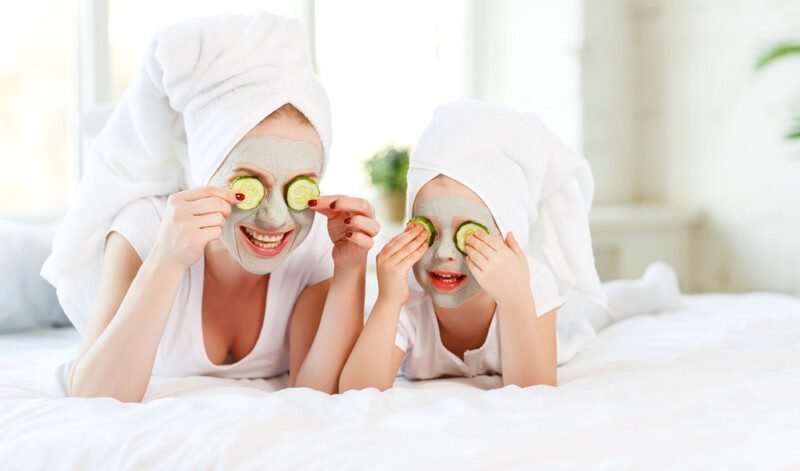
{"x": 385, "y": 64}
{"x": 35, "y": 95}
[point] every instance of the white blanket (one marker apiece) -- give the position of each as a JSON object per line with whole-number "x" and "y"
{"x": 715, "y": 385}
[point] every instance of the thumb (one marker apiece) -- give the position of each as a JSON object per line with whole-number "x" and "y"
{"x": 512, "y": 243}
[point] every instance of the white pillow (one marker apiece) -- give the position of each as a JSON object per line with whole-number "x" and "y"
{"x": 26, "y": 299}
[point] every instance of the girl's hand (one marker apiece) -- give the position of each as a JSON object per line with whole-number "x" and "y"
{"x": 351, "y": 226}
{"x": 394, "y": 261}
{"x": 192, "y": 219}
{"x": 501, "y": 268}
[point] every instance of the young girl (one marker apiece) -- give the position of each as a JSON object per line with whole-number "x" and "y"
{"x": 478, "y": 176}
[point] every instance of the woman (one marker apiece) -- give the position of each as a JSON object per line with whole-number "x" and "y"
{"x": 190, "y": 284}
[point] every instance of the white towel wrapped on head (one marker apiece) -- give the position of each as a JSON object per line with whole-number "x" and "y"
{"x": 204, "y": 83}
{"x": 524, "y": 174}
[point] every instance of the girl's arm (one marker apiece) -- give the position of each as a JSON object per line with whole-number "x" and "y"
{"x": 527, "y": 341}
{"x": 135, "y": 297}
{"x": 375, "y": 358}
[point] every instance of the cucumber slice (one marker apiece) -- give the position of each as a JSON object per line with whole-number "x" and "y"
{"x": 464, "y": 231}
{"x": 299, "y": 191}
{"x": 427, "y": 225}
{"x": 251, "y": 188}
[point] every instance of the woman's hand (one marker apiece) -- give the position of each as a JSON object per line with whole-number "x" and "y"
{"x": 351, "y": 226}
{"x": 394, "y": 261}
{"x": 500, "y": 267}
{"x": 192, "y": 219}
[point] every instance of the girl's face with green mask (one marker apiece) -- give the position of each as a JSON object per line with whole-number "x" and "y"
{"x": 442, "y": 271}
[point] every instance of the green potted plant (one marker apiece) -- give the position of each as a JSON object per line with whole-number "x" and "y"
{"x": 777, "y": 52}
{"x": 387, "y": 171}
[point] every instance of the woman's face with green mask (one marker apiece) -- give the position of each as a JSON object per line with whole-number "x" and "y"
{"x": 276, "y": 151}
{"x": 442, "y": 271}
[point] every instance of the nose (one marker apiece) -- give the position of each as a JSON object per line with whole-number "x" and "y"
{"x": 445, "y": 250}
{"x": 272, "y": 213}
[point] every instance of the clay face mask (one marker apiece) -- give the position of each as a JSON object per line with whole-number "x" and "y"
{"x": 442, "y": 271}
{"x": 261, "y": 238}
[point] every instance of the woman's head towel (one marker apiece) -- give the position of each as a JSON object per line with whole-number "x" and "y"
{"x": 526, "y": 177}
{"x": 204, "y": 83}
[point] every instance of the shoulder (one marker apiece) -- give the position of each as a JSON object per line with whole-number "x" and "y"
{"x": 138, "y": 223}
{"x": 544, "y": 285}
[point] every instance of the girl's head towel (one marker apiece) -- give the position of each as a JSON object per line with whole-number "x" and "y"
{"x": 203, "y": 84}
{"x": 534, "y": 185}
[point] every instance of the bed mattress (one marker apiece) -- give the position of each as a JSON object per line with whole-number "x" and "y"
{"x": 716, "y": 384}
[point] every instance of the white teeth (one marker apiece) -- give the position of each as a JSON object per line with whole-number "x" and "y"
{"x": 264, "y": 241}
{"x": 448, "y": 278}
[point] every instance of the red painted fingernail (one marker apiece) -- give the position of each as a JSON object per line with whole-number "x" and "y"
{"x": 348, "y": 234}
{"x": 240, "y": 196}
{"x": 347, "y": 220}
{"x": 333, "y": 205}
{"x": 312, "y": 202}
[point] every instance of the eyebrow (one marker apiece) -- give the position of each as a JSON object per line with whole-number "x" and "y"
{"x": 262, "y": 173}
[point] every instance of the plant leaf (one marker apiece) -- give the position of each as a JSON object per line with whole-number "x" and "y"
{"x": 776, "y": 52}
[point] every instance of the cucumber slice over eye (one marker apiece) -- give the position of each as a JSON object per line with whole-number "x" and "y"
{"x": 465, "y": 230}
{"x": 427, "y": 225}
{"x": 299, "y": 191}
{"x": 251, "y": 188}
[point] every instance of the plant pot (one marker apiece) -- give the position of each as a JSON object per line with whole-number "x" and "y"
{"x": 392, "y": 206}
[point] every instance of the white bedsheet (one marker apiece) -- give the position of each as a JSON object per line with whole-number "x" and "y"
{"x": 714, "y": 385}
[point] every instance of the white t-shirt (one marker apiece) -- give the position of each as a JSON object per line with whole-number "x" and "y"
{"x": 425, "y": 355}
{"x": 182, "y": 349}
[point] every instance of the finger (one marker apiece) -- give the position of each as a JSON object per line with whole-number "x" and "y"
{"x": 410, "y": 247}
{"x": 209, "y": 220}
{"x": 512, "y": 243}
{"x": 496, "y": 243}
{"x": 342, "y": 203}
{"x": 473, "y": 268}
{"x": 401, "y": 240}
{"x": 208, "y": 191}
{"x": 210, "y": 205}
{"x": 479, "y": 245}
{"x": 414, "y": 256}
{"x": 210, "y": 233}
{"x": 480, "y": 259}
{"x": 362, "y": 240}
{"x": 363, "y": 224}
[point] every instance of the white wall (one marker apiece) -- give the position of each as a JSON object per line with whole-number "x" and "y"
{"x": 706, "y": 131}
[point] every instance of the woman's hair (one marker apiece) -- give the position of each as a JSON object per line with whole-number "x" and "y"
{"x": 291, "y": 113}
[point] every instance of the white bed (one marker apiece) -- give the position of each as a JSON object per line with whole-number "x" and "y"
{"x": 714, "y": 385}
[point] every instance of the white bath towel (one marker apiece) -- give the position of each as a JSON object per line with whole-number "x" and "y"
{"x": 203, "y": 84}
{"x": 531, "y": 182}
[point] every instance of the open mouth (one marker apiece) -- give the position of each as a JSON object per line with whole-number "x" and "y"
{"x": 446, "y": 281}
{"x": 265, "y": 243}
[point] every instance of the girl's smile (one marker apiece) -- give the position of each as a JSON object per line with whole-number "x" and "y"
{"x": 264, "y": 243}
{"x": 446, "y": 281}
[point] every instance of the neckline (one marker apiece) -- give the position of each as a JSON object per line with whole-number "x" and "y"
{"x": 198, "y": 284}
{"x": 452, "y": 355}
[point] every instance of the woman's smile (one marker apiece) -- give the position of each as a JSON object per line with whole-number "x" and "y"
{"x": 446, "y": 281}
{"x": 264, "y": 243}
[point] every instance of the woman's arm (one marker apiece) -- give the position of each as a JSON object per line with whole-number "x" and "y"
{"x": 375, "y": 359}
{"x": 527, "y": 341}
{"x": 133, "y": 303}
{"x": 325, "y": 324}
{"x": 135, "y": 297}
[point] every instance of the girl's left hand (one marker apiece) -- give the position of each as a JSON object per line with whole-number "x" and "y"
{"x": 500, "y": 267}
{"x": 351, "y": 226}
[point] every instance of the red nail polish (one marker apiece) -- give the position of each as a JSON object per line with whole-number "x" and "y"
{"x": 347, "y": 220}
{"x": 240, "y": 196}
{"x": 312, "y": 203}
{"x": 333, "y": 205}
{"x": 348, "y": 234}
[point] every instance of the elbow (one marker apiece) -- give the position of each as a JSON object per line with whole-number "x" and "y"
{"x": 532, "y": 380}
{"x": 79, "y": 388}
